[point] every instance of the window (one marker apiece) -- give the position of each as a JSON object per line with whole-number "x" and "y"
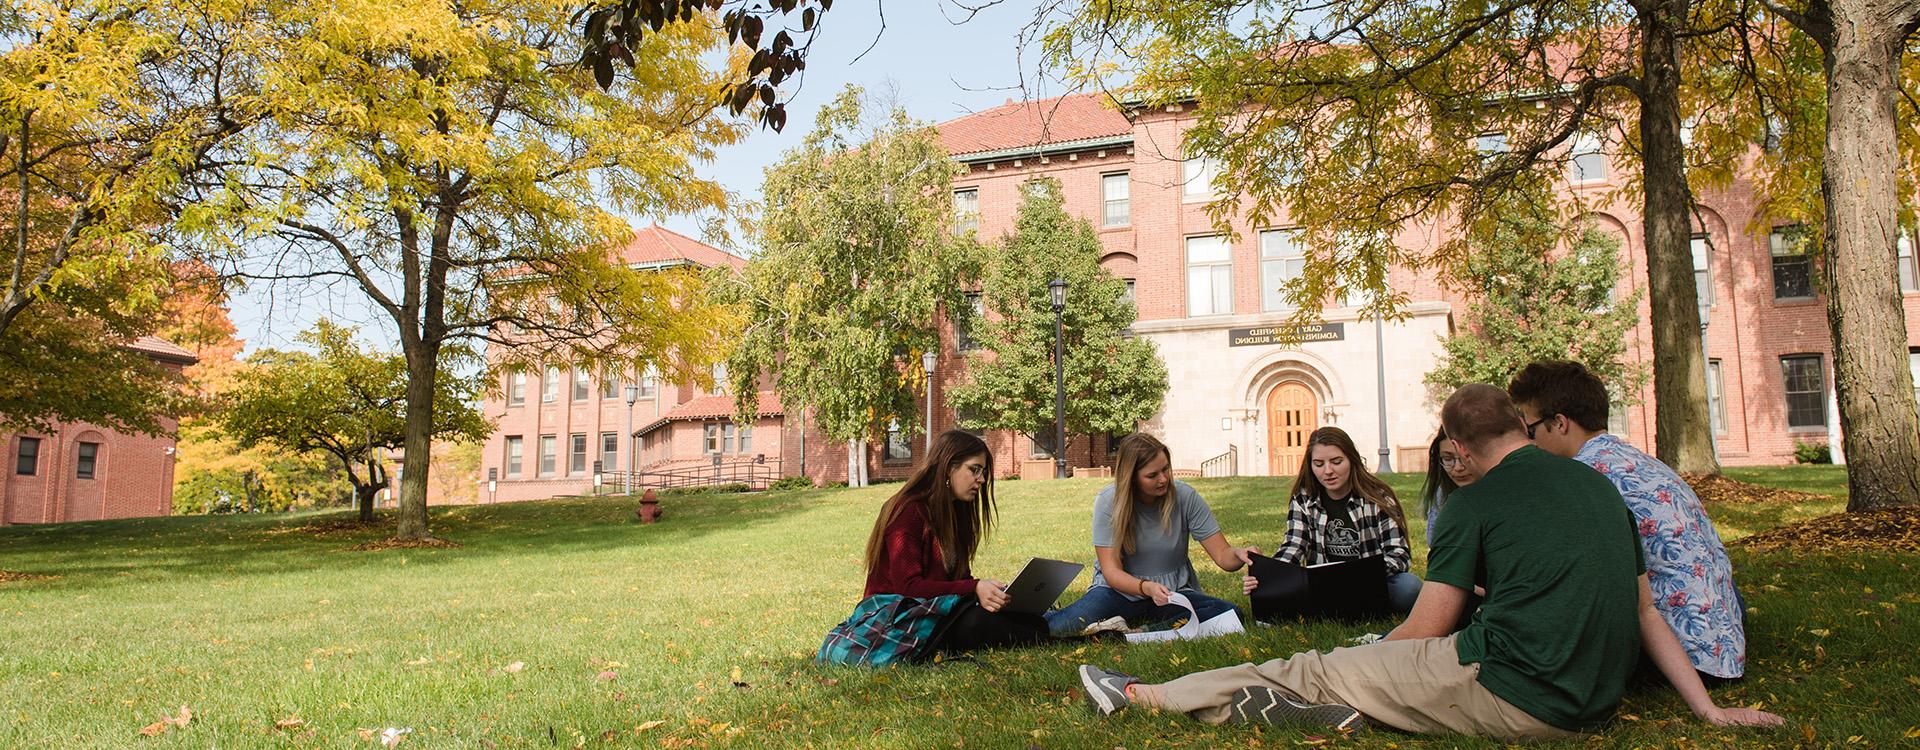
{"x": 746, "y": 440}
{"x": 1806, "y": 381}
{"x": 719, "y": 377}
{"x": 1702, "y": 269}
{"x": 1281, "y": 261}
{"x": 549, "y": 445}
{"x": 28, "y": 463}
{"x": 1904, "y": 257}
{"x": 1792, "y": 269}
{"x": 649, "y": 381}
{"x": 711, "y": 443}
{"x": 899, "y": 446}
{"x": 1617, "y": 420}
{"x": 1035, "y": 449}
{"x": 1491, "y": 143}
{"x": 1209, "y": 276}
{"x": 1199, "y": 179}
{"x": 89, "y": 455}
{"x": 582, "y": 388}
{"x": 1128, "y": 296}
{"x": 577, "y": 453}
{"x": 720, "y": 437}
{"x": 1589, "y": 163}
{"x": 609, "y": 451}
{"x": 515, "y": 451}
{"x": 610, "y": 387}
{"x": 1115, "y": 208}
{"x": 550, "y": 386}
{"x": 963, "y": 334}
{"x": 967, "y": 420}
{"x": 1717, "y": 396}
{"x": 516, "y": 388}
{"x": 966, "y": 210}
{"x": 1913, "y": 369}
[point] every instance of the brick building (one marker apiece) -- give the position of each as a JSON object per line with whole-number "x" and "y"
{"x": 1207, "y": 301}
{"x": 83, "y": 472}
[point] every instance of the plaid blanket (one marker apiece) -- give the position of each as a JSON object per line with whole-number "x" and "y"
{"x": 887, "y": 629}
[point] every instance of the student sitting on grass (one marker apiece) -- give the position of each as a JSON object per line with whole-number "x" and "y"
{"x": 1446, "y": 472}
{"x": 1548, "y": 655}
{"x": 1340, "y": 511}
{"x": 921, "y": 595}
{"x": 1141, "y": 524}
{"x": 1565, "y": 408}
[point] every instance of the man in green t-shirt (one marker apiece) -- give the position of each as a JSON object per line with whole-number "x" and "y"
{"x": 1566, "y": 614}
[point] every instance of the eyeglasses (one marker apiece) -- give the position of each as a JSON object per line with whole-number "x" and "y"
{"x": 1452, "y": 462}
{"x": 1536, "y": 424}
{"x": 977, "y": 469}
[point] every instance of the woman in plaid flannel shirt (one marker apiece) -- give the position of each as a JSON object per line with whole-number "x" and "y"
{"x": 1340, "y": 511}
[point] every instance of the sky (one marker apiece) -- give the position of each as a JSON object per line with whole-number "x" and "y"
{"x": 935, "y": 57}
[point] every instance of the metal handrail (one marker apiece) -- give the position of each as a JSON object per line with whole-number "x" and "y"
{"x": 1224, "y": 465}
{"x": 755, "y": 473}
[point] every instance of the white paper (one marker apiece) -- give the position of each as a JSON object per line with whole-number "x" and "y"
{"x": 1225, "y": 623}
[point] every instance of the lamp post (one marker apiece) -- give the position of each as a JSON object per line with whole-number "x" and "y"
{"x": 1058, "y": 289}
{"x": 928, "y": 359}
{"x": 1380, "y": 361}
{"x": 1706, "y": 371}
{"x": 626, "y": 483}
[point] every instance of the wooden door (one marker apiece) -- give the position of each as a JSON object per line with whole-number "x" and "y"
{"x": 1293, "y": 413}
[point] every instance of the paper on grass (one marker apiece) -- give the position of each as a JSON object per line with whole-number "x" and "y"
{"x": 1225, "y": 623}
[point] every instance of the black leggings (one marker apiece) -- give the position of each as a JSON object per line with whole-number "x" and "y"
{"x": 974, "y": 628}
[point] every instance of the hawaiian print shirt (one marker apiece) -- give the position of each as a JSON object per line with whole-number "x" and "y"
{"x": 1687, "y": 566}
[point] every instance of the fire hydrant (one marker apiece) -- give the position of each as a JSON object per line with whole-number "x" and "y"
{"x": 649, "y": 510}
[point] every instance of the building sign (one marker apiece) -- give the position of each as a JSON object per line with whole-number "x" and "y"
{"x": 1276, "y": 334}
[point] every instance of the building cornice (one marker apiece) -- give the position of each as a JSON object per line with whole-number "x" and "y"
{"x": 1046, "y": 149}
{"x": 1330, "y": 315}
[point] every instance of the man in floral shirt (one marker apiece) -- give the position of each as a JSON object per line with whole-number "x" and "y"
{"x": 1565, "y": 408}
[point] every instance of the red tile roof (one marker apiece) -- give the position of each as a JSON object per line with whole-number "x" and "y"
{"x": 657, "y": 244}
{"x": 1060, "y": 120}
{"x": 162, "y": 349}
{"x": 712, "y": 407}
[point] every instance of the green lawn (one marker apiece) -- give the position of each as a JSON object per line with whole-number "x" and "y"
{"x": 708, "y": 622}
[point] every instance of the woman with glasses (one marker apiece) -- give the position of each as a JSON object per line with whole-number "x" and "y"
{"x": 922, "y": 595}
{"x": 1141, "y": 524}
{"x": 1446, "y": 472}
{"x": 1339, "y": 511}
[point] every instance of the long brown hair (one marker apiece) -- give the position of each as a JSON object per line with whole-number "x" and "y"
{"x": 1369, "y": 486}
{"x": 1135, "y": 451}
{"x": 957, "y": 527}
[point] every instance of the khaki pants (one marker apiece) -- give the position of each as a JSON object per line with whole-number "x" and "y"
{"x": 1413, "y": 685}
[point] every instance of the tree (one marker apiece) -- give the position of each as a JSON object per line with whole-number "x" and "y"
{"x": 615, "y": 28}
{"x": 1530, "y": 305}
{"x": 1112, "y": 383}
{"x": 1863, "y": 45}
{"x": 858, "y": 260}
{"x": 1355, "y": 119}
{"x": 345, "y": 401}
{"x": 452, "y": 163}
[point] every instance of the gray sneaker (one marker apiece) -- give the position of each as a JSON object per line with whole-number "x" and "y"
{"x": 1106, "y": 691}
{"x": 1264, "y": 704}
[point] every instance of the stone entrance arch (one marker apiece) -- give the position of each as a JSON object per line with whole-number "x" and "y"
{"x": 1284, "y": 397}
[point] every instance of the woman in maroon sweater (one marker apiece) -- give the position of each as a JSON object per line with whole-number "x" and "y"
{"x": 922, "y": 546}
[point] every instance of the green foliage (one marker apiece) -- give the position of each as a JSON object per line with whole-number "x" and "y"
{"x": 60, "y": 365}
{"x": 1530, "y": 305}
{"x": 342, "y": 400}
{"x": 857, "y": 264}
{"x": 791, "y": 483}
{"x": 283, "y": 482}
{"x": 1111, "y": 383}
{"x": 1812, "y": 453}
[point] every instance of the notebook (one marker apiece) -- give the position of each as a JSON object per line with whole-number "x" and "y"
{"x": 1350, "y": 589}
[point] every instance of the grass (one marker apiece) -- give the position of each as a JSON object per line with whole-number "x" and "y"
{"x": 708, "y": 622}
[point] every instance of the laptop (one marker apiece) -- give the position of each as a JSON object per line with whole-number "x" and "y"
{"x": 1039, "y": 584}
{"x": 1351, "y": 589}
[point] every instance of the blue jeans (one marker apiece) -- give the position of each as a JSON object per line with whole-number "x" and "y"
{"x": 1402, "y": 589}
{"x": 1102, "y": 602}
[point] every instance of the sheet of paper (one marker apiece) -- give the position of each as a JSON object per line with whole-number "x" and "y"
{"x": 1222, "y": 624}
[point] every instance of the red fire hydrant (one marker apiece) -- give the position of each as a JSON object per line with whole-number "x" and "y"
{"x": 649, "y": 510}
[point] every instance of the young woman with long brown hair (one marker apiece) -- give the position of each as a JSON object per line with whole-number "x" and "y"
{"x": 1340, "y": 511}
{"x": 1141, "y": 524}
{"x": 923, "y": 543}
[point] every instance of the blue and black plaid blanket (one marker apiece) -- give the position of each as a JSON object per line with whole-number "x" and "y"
{"x": 887, "y": 629}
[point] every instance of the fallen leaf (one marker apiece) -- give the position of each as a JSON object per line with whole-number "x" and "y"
{"x": 288, "y": 723}
{"x": 609, "y": 675}
{"x": 514, "y": 668}
{"x": 419, "y": 661}
{"x": 155, "y": 729}
{"x": 655, "y": 724}
{"x": 392, "y": 737}
{"x": 1822, "y": 632}
{"x": 183, "y": 719}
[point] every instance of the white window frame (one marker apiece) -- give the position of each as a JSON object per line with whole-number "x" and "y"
{"x": 1819, "y": 369}
{"x": 550, "y": 386}
{"x": 1210, "y": 279}
{"x": 516, "y": 454}
{"x": 1494, "y": 142}
{"x": 966, "y": 210}
{"x": 1199, "y": 179}
{"x": 1777, "y": 248}
{"x": 1717, "y": 396}
{"x": 549, "y": 460}
{"x": 1587, "y": 145}
{"x": 582, "y": 386}
{"x": 1116, "y": 207}
{"x": 1702, "y": 247}
{"x": 517, "y": 388}
{"x": 1279, "y": 264}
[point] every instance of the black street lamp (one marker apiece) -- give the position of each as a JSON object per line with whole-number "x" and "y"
{"x": 1058, "y": 288}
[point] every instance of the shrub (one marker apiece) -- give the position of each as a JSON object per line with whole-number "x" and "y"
{"x": 1812, "y": 453}
{"x": 792, "y": 483}
{"x": 701, "y": 490}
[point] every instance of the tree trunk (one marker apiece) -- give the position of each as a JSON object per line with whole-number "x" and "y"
{"x": 363, "y": 495}
{"x": 1683, "y": 427}
{"x": 1880, "y": 431}
{"x": 423, "y": 366}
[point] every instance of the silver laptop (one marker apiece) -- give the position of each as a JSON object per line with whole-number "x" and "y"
{"x": 1039, "y": 584}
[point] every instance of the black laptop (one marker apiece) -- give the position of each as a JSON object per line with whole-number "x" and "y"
{"x": 1348, "y": 590}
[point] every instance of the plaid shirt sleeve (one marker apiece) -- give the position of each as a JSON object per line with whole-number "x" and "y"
{"x": 1293, "y": 549}
{"x": 1393, "y": 543}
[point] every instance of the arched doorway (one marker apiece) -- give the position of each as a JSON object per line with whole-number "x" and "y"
{"x": 1293, "y": 413}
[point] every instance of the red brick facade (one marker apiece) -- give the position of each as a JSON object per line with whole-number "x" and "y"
{"x": 125, "y": 475}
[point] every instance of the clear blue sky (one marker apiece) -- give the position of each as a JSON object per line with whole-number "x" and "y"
{"x": 937, "y": 66}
